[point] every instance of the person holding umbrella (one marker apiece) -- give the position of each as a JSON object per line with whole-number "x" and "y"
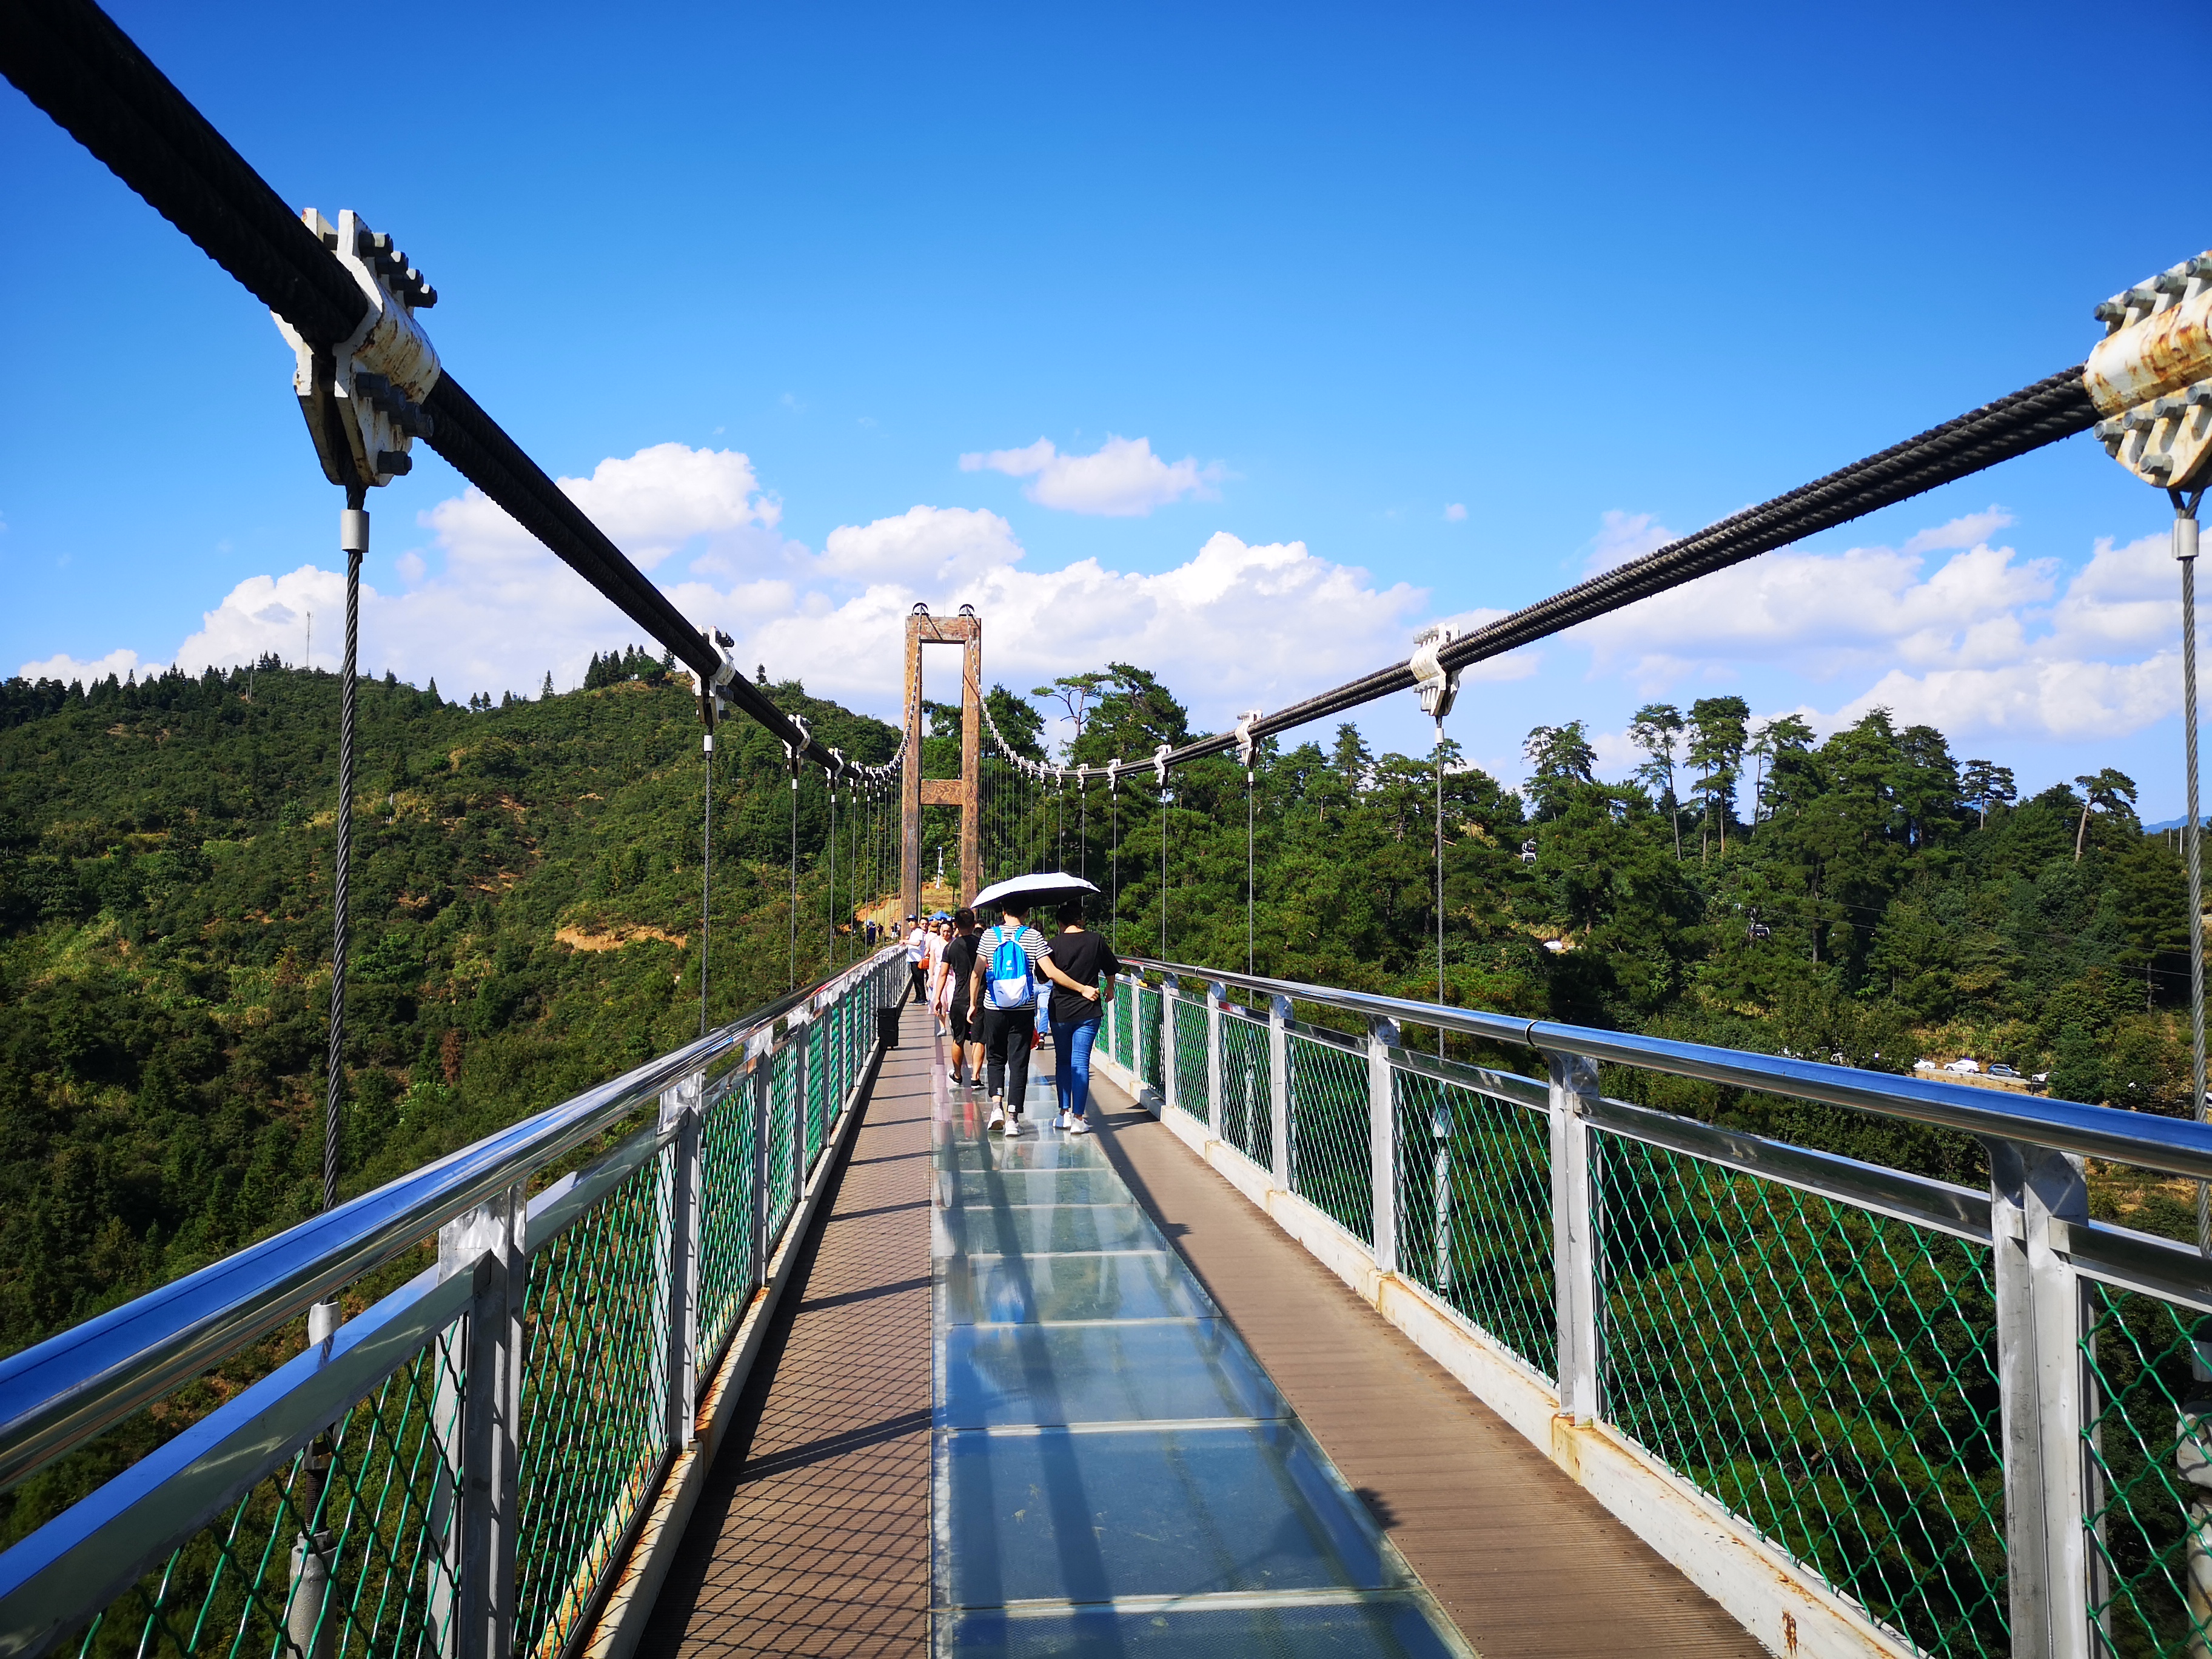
{"x": 1010, "y": 959}
{"x": 1082, "y": 968}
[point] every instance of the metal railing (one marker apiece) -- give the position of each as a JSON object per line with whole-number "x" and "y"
{"x": 1972, "y": 1416}
{"x": 460, "y": 1469}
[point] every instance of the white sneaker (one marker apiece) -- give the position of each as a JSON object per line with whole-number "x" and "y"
{"x": 998, "y": 1116}
{"x": 1013, "y": 1127}
{"x": 1076, "y": 1125}
{"x": 1061, "y": 1122}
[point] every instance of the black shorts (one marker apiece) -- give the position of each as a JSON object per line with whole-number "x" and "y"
{"x": 962, "y": 1031}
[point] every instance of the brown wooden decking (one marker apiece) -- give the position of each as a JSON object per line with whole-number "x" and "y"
{"x": 812, "y": 1533}
{"x": 1525, "y": 1561}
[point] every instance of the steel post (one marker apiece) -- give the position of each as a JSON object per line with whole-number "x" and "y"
{"x": 1136, "y": 1034}
{"x": 1440, "y": 1127}
{"x": 680, "y": 1111}
{"x": 1217, "y": 1105}
{"x": 1382, "y": 1141}
{"x": 482, "y": 1543}
{"x": 798, "y": 1033}
{"x": 2036, "y": 1197}
{"x": 761, "y": 1063}
{"x": 1574, "y": 1244}
{"x": 1279, "y": 1088}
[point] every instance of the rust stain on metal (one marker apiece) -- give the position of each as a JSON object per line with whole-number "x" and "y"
{"x": 1789, "y": 1633}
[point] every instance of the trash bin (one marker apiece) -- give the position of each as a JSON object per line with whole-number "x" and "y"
{"x": 887, "y": 1025}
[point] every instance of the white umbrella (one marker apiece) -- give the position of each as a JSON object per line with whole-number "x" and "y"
{"x": 1044, "y": 884}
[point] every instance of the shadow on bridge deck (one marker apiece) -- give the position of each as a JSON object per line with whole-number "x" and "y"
{"x": 1524, "y": 1560}
{"x": 813, "y": 1533}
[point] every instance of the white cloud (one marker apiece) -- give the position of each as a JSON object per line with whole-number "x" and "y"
{"x": 484, "y": 608}
{"x": 1122, "y": 479}
{"x": 1622, "y": 537}
{"x": 1456, "y": 513}
{"x": 67, "y": 669}
{"x": 1985, "y": 641}
{"x": 1238, "y": 625}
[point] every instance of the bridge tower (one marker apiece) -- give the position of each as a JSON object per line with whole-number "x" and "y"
{"x": 965, "y": 631}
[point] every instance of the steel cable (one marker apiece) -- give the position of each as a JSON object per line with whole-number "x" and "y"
{"x": 341, "y": 928}
{"x": 2055, "y": 407}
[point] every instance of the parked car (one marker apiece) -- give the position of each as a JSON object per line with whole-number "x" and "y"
{"x": 2003, "y": 1071}
{"x": 1925, "y": 1066}
{"x": 1964, "y": 1067}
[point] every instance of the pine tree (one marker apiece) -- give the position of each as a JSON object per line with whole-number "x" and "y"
{"x": 545, "y": 691}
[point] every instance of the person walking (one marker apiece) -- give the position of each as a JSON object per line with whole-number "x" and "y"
{"x": 958, "y": 968}
{"x": 932, "y": 968}
{"x": 917, "y": 945}
{"x": 1004, "y": 985}
{"x": 1083, "y": 969}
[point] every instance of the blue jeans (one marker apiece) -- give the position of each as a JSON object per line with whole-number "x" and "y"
{"x": 1071, "y": 1047}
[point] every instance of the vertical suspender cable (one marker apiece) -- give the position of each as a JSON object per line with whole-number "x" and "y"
{"x": 353, "y": 539}
{"x": 1114, "y": 843}
{"x": 2185, "y": 551}
{"x": 1083, "y": 821}
{"x": 1248, "y": 870}
{"x": 706, "y": 880}
{"x": 794, "y": 985}
{"x": 1440, "y": 876}
{"x": 832, "y": 906}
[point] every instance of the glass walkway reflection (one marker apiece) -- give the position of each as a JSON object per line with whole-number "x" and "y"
{"x": 1112, "y": 1473}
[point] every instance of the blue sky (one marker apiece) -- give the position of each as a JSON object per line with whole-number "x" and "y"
{"x": 762, "y": 278}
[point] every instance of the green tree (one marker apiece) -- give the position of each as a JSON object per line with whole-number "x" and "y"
{"x": 1656, "y": 729}
{"x": 1717, "y": 736}
{"x": 1559, "y": 757}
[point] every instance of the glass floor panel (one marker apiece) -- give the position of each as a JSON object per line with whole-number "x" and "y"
{"x": 989, "y": 1228}
{"x": 1112, "y": 1471}
{"x": 1111, "y": 1372}
{"x": 1053, "y": 1185}
{"x": 1386, "y": 1626}
{"x": 1126, "y": 1284}
{"x": 1065, "y": 1514}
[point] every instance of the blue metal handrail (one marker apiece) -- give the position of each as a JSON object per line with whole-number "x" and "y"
{"x": 63, "y": 1391}
{"x": 2175, "y": 1144}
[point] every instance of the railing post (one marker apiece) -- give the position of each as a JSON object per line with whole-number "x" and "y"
{"x": 1382, "y": 1141}
{"x": 761, "y": 1060}
{"x": 1217, "y": 1104}
{"x": 1440, "y": 1127}
{"x": 1279, "y": 1088}
{"x": 1574, "y": 1244}
{"x": 680, "y": 1110}
{"x": 2035, "y": 1196}
{"x": 481, "y": 1542}
{"x": 1168, "y": 1089}
{"x": 799, "y": 1036}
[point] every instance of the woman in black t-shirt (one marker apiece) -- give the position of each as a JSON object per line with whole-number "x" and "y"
{"x": 1083, "y": 958}
{"x": 959, "y": 965}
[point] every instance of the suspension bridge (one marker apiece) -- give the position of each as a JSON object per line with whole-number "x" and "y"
{"x": 1326, "y": 1344}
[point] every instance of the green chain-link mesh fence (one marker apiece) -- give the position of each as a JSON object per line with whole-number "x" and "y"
{"x": 783, "y": 1176}
{"x": 1331, "y": 1164}
{"x": 727, "y": 1271}
{"x": 594, "y": 1401}
{"x": 1475, "y": 1209}
{"x": 1125, "y": 1021}
{"x": 1189, "y": 1053}
{"x": 2148, "y": 1422}
{"x": 1149, "y": 1020}
{"x": 1828, "y": 1374}
{"x": 380, "y": 1517}
{"x": 1247, "y": 1115}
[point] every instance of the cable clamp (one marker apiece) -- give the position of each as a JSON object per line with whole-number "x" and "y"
{"x": 1438, "y": 686}
{"x": 362, "y": 397}
{"x": 1113, "y": 775}
{"x": 1160, "y": 765}
{"x": 2150, "y": 377}
{"x": 1245, "y": 740}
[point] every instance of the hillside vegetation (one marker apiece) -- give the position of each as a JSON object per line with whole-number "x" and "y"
{"x": 527, "y": 898}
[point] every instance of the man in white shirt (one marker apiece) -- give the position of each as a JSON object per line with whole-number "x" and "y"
{"x": 917, "y": 946}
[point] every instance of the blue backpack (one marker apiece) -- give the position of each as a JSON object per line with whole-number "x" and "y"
{"x": 1012, "y": 981}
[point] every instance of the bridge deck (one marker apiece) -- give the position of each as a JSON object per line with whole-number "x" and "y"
{"x": 813, "y": 1535}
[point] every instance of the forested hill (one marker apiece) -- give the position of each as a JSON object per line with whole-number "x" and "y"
{"x": 526, "y": 901}
{"x": 527, "y": 893}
